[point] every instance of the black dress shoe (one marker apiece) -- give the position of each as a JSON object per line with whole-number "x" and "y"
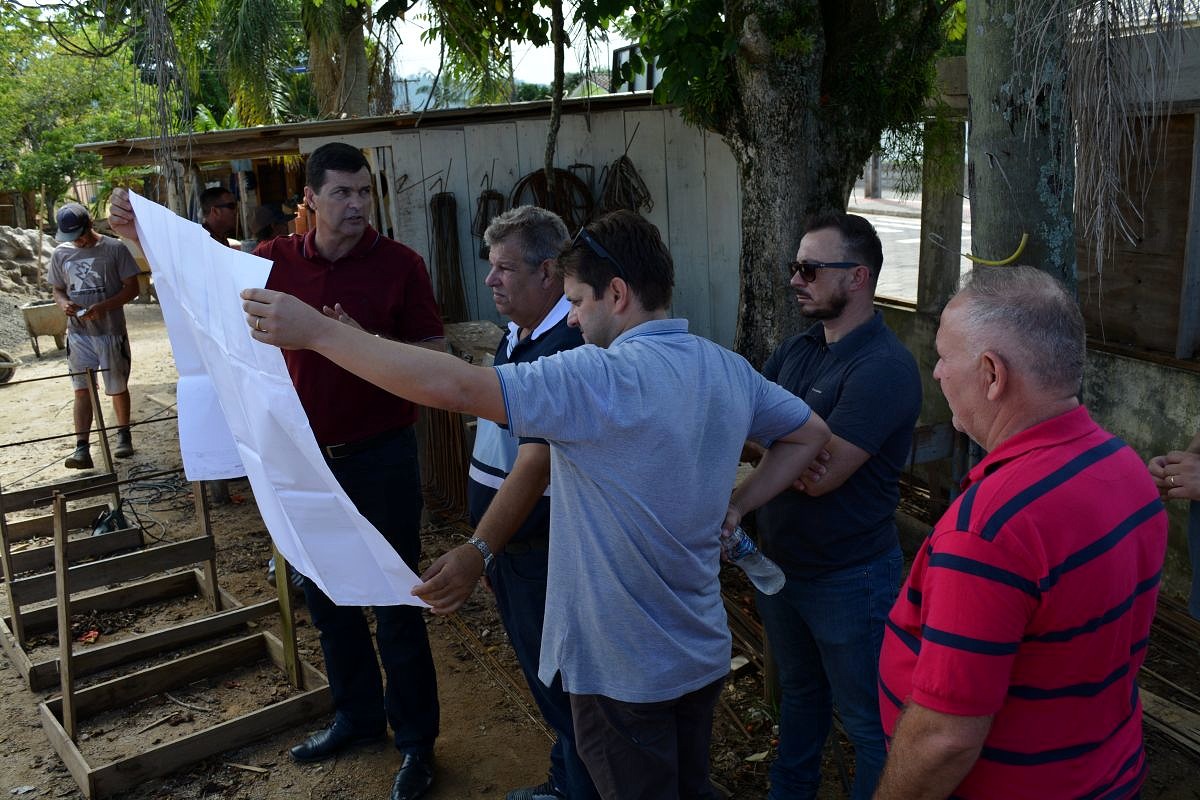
{"x": 414, "y": 778}
{"x": 329, "y": 742}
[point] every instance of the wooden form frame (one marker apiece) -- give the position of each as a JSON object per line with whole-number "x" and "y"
{"x": 228, "y": 614}
{"x": 25, "y": 499}
{"x": 60, "y": 716}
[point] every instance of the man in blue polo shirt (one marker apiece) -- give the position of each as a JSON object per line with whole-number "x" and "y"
{"x": 508, "y": 485}
{"x": 645, "y": 424}
{"x": 833, "y": 533}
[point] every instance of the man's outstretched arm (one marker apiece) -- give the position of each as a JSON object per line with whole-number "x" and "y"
{"x": 438, "y": 380}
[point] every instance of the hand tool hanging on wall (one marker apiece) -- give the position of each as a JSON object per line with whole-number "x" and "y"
{"x": 451, "y": 296}
{"x": 489, "y": 206}
{"x": 572, "y": 198}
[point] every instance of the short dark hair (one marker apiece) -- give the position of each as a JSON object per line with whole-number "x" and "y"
{"x": 1030, "y": 318}
{"x": 211, "y": 197}
{"x": 637, "y": 245}
{"x": 539, "y": 233}
{"x": 860, "y": 242}
{"x": 336, "y": 156}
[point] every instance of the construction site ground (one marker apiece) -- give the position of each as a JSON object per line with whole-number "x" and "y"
{"x": 491, "y": 738}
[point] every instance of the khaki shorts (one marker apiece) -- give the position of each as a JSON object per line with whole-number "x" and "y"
{"x": 109, "y": 353}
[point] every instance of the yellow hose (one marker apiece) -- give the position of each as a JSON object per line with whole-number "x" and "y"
{"x": 1004, "y": 261}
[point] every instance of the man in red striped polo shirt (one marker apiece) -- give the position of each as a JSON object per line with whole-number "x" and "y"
{"x": 1009, "y": 660}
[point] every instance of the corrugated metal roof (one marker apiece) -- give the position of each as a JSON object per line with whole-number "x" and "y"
{"x": 271, "y": 141}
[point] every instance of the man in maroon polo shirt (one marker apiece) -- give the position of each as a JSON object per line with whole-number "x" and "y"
{"x": 352, "y": 272}
{"x": 348, "y": 269}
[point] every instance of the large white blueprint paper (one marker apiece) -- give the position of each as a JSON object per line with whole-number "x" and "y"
{"x": 205, "y": 441}
{"x": 310, "y": 518}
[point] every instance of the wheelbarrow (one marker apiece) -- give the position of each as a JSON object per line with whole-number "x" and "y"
{"x": 45, "y": 318}
{"x": 8, "y": 366}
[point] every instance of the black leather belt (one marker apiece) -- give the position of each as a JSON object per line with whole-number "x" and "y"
{"x": 347, "y": 449}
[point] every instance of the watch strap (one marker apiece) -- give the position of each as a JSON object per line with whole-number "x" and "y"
{"x": 484, "y": 550}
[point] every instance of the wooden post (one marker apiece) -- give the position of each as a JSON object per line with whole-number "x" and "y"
{"x": 210, "y": 565}
{"x": 102, "y": 431}
{"x": 63, "y": 589}
{"x": 1189, "y": 292}
{"x": 287, "y": 621}
{"x": 941, "y": 215}
{"x": 871, "y": 182}
{"x": 14, "y": 608}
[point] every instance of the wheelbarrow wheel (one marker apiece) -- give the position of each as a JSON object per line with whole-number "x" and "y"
{"x": 6, "y": 372}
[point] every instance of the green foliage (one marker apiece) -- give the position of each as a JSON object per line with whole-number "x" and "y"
{"x": 49, "y": 102}
{"x": 872, "y": 60}
{"x": 532, "y": 91}
{"x": 694, "y": 47}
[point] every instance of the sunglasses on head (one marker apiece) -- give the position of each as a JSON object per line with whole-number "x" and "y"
{"x": 598, "y": 249}
{"x": 808, "y": 269}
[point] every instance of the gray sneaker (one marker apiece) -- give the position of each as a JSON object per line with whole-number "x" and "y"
{"x": 124, "y": 447}
{"x": 545, "y": 791}
{"x": 80, "y": 459}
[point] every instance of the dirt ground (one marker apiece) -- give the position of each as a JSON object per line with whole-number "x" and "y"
{"x": 492, "y": 739}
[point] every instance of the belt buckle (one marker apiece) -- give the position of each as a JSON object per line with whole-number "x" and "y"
{"x": 333, "y": 450}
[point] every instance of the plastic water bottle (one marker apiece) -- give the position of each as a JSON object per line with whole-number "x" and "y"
{"x": 740, "y": 549}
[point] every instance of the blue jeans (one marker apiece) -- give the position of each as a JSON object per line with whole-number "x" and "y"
{"x": 384, "y": 483}
{"x": 1194, "y": 552}
{"x": 825, "y": 634}
{"x": 519, "y": 582}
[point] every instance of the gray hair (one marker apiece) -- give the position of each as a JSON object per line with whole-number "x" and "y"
{"x": 540, "y": 234}
{"x": 1030, "y": 319}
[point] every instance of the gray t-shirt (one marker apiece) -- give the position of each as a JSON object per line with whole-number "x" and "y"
{"x": 89, "y": 275}
{"x": 644, "y": 439}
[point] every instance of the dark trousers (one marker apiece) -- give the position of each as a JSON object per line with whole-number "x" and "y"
{"x": 518, "y": 579}
{"x": 648, "y": 751}
{"x": 384, "y": 484}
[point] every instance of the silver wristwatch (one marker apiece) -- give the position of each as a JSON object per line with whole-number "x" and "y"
{"x": 484, "y": 550}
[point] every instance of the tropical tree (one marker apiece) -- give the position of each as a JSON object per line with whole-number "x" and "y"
{"x": 801, "y": 91}
{"x": 49, "y": 102}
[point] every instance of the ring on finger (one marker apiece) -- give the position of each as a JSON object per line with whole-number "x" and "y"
{"x": 258, "y": 324}
{"x": 1171, "y": 479}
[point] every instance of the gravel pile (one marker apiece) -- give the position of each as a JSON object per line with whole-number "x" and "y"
{"x": 24, "y": 255}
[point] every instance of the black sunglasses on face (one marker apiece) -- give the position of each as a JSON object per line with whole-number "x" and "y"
{"x": 230, "y": 206}
{"x": 808, "y": 269}
{"x": 598, "y": 249}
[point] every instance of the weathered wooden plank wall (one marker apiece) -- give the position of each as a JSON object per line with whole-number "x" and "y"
{"x": 691, "y": 176}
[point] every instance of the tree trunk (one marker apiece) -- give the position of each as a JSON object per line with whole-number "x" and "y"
{"x": 798, "y": 155}
{"x": 1021, "y": 172}
{"x": 339, "y": 64}
{"x": 558, "y": 35}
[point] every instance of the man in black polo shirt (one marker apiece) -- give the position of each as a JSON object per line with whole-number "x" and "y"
{"x": 833, "y": 533}
{"x": 509, "y": 479}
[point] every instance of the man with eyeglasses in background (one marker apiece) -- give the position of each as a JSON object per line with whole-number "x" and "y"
{"x": 833, "y": 532}
{"x": 218, "y": 212}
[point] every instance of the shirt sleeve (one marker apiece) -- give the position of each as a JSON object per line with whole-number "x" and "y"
{"x": 977, "y": 599}
{"x": 54, "y": 272}
{"x": 877, "y": 397}
{"x": 566, "y": 397}
{"x": 421, "y": 320}
{"x": 777, "y": 412}
{"x": 126, "y": 264}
